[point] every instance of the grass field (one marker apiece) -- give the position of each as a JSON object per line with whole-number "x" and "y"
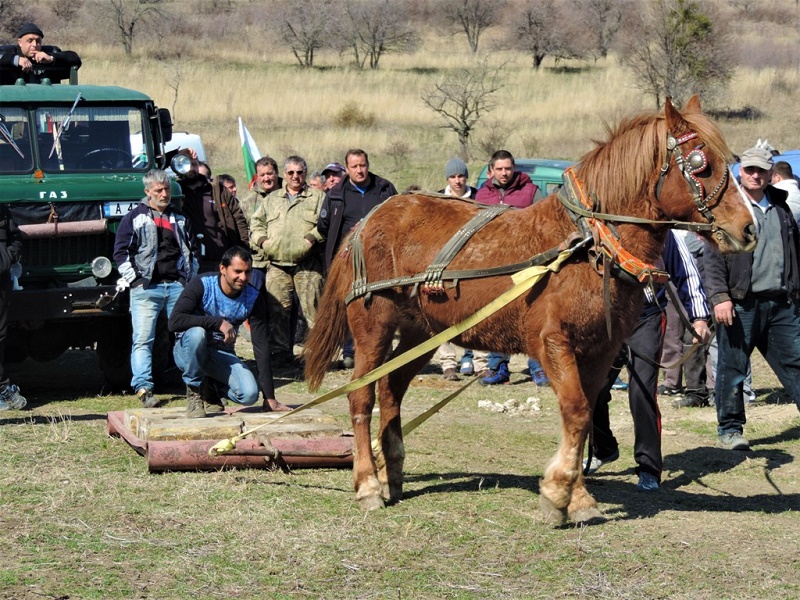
{"x": 81, "y": 517}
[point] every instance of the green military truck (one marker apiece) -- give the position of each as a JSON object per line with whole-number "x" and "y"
{"x": 71, "y": 164}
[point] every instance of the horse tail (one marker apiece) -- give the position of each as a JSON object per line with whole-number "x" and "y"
{"x": 330, "y": 324}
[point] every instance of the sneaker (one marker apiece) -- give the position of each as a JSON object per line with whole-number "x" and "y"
{"x": 147, "y": 398}
{"x": 647, "y": 482}
{"x": 668, "y": 391}
{"x": 537, "y": 373}
{"x": 10, "y": 398}
{"x": 467, "y": 368}
{"x": 733, "y": 440}
{"x": 619, "y": 385}
{"x": 501, "y": 375}
{"x": 348, "y": 362}
{"x": 599, "y": 462}
{"x": 451, "y": 375}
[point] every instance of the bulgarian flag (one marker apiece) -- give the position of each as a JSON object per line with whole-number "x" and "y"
{"x": 250, "y": 153}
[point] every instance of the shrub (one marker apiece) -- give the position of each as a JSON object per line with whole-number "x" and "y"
{"x": 353, "y": 115}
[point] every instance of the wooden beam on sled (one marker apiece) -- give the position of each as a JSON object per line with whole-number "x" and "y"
{"x": 171, "y": 442}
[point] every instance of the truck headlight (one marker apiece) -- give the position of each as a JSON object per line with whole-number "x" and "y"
{"x": 101, "y": 267}
{"x": 181, "y": 164}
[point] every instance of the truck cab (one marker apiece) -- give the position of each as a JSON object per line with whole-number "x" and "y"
{"x": 72, "y": 159}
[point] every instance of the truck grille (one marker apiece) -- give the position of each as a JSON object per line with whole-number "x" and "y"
{"x": 44, "y": 253}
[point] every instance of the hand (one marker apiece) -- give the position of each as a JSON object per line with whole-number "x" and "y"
{"x": 122, "y": 285}
{"x": 228, "y": 331}
{"x": 25, "y": 64}
{"x": 308, "y": 242}
{"x": 42, "y": 57}
{"x": 724, "y": 313}
{"x": 703, "y": 332}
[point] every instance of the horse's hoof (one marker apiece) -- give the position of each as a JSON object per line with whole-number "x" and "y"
{"x": 554, "y": 516}
{"x": 371, "y": 502}
{"x": 591, "y": 514}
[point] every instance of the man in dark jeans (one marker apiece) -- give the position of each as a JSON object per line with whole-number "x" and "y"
{"x": 10, "y": 247}
{"x": 644, "y": 348}
{"x": 754, "y": 295}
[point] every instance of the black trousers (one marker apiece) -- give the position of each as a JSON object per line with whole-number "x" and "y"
{"x": 5, "y": 300}
{"x": 644, "y": 343}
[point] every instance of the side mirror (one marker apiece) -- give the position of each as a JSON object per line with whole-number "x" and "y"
{"x": 165, "y": 121}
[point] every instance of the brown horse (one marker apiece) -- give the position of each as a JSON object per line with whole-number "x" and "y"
{"x": 657, "y": 167}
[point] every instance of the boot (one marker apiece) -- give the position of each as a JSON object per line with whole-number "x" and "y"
{"x": 194, "y": 403}
{"x": 211, "y": 396}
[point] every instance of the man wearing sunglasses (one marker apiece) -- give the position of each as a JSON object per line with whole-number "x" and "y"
{"x": 283, "y": 233}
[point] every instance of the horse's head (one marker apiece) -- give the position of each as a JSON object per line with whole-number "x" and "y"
{"x": 695, "y": 183}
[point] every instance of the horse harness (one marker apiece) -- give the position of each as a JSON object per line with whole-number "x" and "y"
{"x": 606, "y": 253}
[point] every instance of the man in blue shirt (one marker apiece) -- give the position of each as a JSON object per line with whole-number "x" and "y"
{"x": 206, "y": 321}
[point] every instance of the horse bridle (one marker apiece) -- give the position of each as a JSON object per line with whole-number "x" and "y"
{"x": 690, "y": 164}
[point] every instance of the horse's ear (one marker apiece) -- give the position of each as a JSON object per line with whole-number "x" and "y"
{"x": 672, "y": 114}
{"x": 693, "y": 105}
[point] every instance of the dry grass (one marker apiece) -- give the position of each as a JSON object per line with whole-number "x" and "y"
{"x": 554, "y": 112}
{"x": 81, "y": 518}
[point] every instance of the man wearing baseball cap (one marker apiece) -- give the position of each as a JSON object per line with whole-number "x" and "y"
{"x": 32, "y": 62}
{"x": 754, "y": 296}
{"x": 333, "y": 174}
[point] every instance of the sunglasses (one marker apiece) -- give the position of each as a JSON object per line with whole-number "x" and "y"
{"x": 290, "y": 173}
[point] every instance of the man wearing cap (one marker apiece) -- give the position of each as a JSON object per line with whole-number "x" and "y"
{"x": 284, "y": 235}
{"x": 30, "y": 61}
{"x": 456, "y": 173}
{"x": 333, "y": 174}
{"x": 754, "y": 296}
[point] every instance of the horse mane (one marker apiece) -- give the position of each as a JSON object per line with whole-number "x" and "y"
{"x": 620, "y": 168}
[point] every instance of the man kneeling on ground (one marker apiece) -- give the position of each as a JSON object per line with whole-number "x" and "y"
{"x": 206, "y": 322}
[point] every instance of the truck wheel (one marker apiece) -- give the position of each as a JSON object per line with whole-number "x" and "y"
{"x": 114, "y": 352}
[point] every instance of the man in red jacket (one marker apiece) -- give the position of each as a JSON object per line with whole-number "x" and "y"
{"x": 506, "y": 185}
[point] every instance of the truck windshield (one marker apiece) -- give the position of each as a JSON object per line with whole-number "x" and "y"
{"x": 15, "y": 141}
{"x": 95, "y": 138}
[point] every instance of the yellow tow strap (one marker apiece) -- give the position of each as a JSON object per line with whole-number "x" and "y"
{"x": 523, "y": 281}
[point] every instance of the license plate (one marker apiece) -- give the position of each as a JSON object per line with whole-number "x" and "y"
{"x": 117, "y": 210}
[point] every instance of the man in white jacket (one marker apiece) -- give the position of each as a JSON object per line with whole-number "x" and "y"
{"x": 783, "y": 179}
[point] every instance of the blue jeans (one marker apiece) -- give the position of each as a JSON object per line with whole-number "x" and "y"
{"x": 197, "y": 359}
{"x": 145, "y": 306}
{"x": 496, "y": 359}
{"x": 773, "y": 326}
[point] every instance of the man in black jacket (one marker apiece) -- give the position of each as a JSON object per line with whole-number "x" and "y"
{"x": 346, "y": 204}
{"x": 30, "y": 61}
{"x": 350, "y": 200}
{"x": 10, "y": 248}
{"x": 754, "y": 296}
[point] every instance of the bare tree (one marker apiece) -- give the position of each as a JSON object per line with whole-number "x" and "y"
{"x": 304, "y": 27}
{"x": 472, "y": 17}
{"x": 372, "y": 28}
{"x": 601, "y": 20}
{"x": 11, "y": 17}
{"x": 682, "y": 49}
{"x": 128, "y": 18}
{"x": 537, "y": 31}
{"x": 463, "y": 97}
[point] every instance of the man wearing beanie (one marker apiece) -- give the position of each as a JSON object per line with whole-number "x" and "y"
{"x": 456, "y": 173}
{"x": 754, "y": 296}
{"x": 30, "y": 61}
